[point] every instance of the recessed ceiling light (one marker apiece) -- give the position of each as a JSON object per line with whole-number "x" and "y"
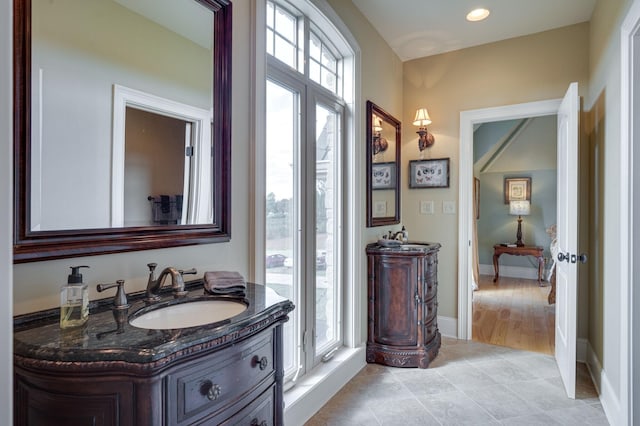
{"x": 477, "y": 14}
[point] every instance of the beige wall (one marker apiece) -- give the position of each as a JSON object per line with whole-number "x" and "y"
{"x": 524, "y": 69}
{"x": 594, "y": 157}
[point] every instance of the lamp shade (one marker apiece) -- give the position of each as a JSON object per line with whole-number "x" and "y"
{"x": 520, "y": 208}
{"x": 422, "y": 118}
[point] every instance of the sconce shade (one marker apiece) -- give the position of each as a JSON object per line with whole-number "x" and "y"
{"x": 520, "y": 208}
{"x": 379, "y": 143}
{"x": 422, "y": 118}
{"x": 377, "y": 124}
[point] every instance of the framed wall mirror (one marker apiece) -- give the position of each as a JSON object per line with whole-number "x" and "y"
{"x": 383, "y": 167}
{"x": 122, "y": 125}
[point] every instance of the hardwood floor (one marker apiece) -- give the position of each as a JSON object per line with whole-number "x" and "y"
{"x": 514, "y": 312}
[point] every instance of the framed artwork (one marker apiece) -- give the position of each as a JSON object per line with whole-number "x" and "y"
{"x": 517, "y": 189}
{"x": 383, "y": 175}
{"x": 429, "y": 173}
{"x": 476, "y": 196}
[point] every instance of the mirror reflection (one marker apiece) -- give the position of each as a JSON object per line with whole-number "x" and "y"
{"x": 121, "y": 113}
{"x": 383, "y": 164}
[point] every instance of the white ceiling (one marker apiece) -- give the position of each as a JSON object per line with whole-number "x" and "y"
{"x": 418, "y": 28}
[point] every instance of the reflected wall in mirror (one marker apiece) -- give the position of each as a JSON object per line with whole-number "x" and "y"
{"x": 122, "y": 136}
{"x": 383, "y": 167}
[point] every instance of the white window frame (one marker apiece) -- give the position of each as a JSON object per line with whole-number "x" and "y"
{"x": 351, "y": 356}
{"x": 311, "y": 92}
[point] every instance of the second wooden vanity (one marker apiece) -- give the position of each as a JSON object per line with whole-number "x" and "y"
{"x": 402, "y": 304}
{"x": 111, "y": 373}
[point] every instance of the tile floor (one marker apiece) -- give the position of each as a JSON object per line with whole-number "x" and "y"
{"x": 469, "y": 383}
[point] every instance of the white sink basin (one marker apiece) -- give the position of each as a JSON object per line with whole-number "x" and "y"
{"x": 188, "y": 314}
{"x": 413, "y": 246}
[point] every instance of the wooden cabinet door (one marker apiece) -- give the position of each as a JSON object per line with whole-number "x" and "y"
{"x": 395, "y": 298}
{"x": 64, "y": 404}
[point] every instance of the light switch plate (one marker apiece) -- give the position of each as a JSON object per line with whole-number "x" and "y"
{"x": 449, "y": 207}
{"x": 379, "y": 209}
{"x": 426, "y": 207}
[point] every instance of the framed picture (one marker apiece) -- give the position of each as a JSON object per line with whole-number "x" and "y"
{"x": 383, "y": 175}
{"x": 429, "y": 173}
{"x": 517, "y": 189}
{"x": 476, "y": 196}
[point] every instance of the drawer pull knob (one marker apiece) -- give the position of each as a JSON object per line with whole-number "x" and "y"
{"x": 210, "y": 390}
{"x": 259, "y": 362}
{"x": 254, "y": 422}
{"x": 263, "y": 363}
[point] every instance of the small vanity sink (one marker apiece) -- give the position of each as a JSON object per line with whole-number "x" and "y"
{"x": 187, "y": 314}
{"x": 413, "y": 246}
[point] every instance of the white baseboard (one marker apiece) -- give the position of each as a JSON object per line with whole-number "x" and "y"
{"x": 594, "y": 367}
{"x": 448, "y": 326}
{"x": 513, "y": 272}
{"x": 311, "y": 393}
{"x": 611, "y": 404}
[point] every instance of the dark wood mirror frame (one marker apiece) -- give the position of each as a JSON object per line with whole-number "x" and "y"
{"x": 30, "y": 246}
{"x": 385, "y": 116}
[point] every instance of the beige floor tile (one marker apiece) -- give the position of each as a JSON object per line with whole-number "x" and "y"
{"x": 455, "y": 408}
{"x": 469, "y": 383}
{"x": 407, "y": 412}
{"x": 500, "y": 402}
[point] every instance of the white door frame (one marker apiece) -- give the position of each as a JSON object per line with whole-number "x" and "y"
{"x": 465, "y": 200}
{"x": 629, "y": 272}
{"x": 198, "y": 184}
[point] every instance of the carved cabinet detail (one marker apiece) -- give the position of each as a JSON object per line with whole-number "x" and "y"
{"x": 402, "y": 305}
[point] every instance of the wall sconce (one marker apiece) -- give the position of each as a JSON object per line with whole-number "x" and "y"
{"x": 379, "y": 143}
{"x": 422, "y": 120}
{"x": 519, "y": 208}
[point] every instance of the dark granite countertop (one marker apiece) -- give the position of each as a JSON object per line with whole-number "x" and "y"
{"x": 408, "y": 248}
{"x": 107, "y": 336}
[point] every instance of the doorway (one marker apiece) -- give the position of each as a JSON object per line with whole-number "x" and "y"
{"x": 469, "y": 119}
{"x": 514, "y": 309}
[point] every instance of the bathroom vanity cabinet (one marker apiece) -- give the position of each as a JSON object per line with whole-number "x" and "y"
{"x": 402, "y": 305}
{"x": 228, "y": 373}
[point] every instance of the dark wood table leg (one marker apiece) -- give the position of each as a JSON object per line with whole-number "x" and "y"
{"x": 540, "y": 268}
{"x": 495, "y": 266}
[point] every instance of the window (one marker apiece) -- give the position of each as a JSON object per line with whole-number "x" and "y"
{"x": 303, "y": 178}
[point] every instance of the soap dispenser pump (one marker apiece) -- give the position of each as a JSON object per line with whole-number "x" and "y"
{"x": 74, "y": 300}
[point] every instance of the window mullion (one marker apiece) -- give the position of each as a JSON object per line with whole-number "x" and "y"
{"x": 305, "y": 42}
{"x": 308, "y": 250}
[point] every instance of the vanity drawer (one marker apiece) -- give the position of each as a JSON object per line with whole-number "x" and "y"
{"x": 205, "y": 387}
{"x": 258, "y": 413}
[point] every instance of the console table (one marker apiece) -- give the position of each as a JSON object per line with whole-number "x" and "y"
{"x": 535, "y": 251}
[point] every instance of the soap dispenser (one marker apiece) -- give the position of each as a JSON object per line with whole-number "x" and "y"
{"x": 74, "y": 300}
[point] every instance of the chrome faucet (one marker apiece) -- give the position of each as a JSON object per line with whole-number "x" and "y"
{"x": 177, "y": 282}
{"x": 394, "y": 236}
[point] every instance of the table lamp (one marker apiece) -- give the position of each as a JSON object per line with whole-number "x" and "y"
{"x": 519, "y": 208}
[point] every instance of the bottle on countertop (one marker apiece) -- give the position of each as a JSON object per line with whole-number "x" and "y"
{"x": 405, "y": 234}
{"x": 74, "y": 300}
